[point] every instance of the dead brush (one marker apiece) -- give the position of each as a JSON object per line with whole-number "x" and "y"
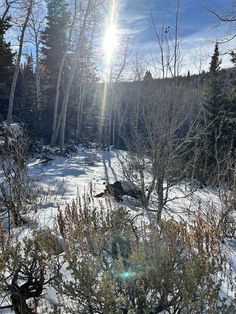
{"x": 81, "y": 225}
{"x": 174, "y": 267}
{"x": 227, "y": 223}
{"x": 17, "y": 191}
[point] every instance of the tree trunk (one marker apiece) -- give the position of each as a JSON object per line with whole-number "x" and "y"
{"x": 19, "y": 303}
{"x": 38, "y": 78}
{"x": 55, "y": 121}
{"x": 79, "y": 109}
{"x": 160, "y": 194}
{"x": 71, "y": 78}
{"x": 17, "y": 68}
{"x": 59, "y": 78}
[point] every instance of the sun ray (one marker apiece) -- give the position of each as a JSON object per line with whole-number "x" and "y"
{"x": 110, "y": 42}
{"x": 109, "y": 46}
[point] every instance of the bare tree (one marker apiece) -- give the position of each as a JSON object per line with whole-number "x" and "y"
{"x": 59, "y": 78}
{"x": 111, "y": 97}
{"x": 36, "y": 24}
{"x": 155, "y": 150}
{"x": 72, "y": 73}
{"x": 84, "y": 29}
{"x": 17, "y": 191}
{"x": 115, "y": 100}
{"x": 156, "y": 140}
{"x": 226, "y": 18}
{"x": 6, "y": 6}
{"x": 28, "y": 6}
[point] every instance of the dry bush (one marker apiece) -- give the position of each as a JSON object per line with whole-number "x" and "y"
{"x": 227, "y": 223}
{"x": 17, "y": 190}
{"x": 226, "y": 181}
{"x": 27, "y": 266}
{"x": 118, "y": 265}
{"x": 105, "y": 261}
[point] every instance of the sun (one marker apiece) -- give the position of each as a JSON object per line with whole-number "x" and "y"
{"x": 110, "y": 42}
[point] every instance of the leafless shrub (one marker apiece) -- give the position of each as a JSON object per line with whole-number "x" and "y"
{"x": 117, "y": 264}
{"x": 227, "y": 220}
{"x": 15, "y": 187}
{"x": 225, "y": 178}
{"x": 26, "y": 268}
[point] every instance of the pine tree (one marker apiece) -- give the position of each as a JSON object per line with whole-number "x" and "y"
{"x": 215, "y": 97}
{"x": 29, "y": 112}
{"x": 6, "y": 55}
{"x": 215, "y": 62}
{"x": 218, "y": 104}
{"x": 53, "y": 40}
{"x": 231, "y": 117}
{"x": 6, "y": 65}
{"x": 216, "y": 113}
{"x": 148, "y": 76}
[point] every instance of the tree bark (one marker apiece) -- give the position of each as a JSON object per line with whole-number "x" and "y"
{"x": 38, "y": 77}
{"x": 17, "y": 68}
{"x": 59, "y": 79}
{"x": 71, "y": 78}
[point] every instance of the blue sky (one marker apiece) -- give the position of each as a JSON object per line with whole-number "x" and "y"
{"x": 198, "y": 29}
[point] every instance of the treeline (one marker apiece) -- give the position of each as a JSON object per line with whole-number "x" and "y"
{"x": 52, "y": 77}
{"x": 58, "y": 97}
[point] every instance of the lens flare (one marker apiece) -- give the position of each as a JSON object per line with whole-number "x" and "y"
{"x": 110, "y": 43}
{"x": 110, "y": 37}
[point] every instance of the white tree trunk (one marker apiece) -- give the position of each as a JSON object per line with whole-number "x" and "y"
{"x": 17, "y": 68}
{"x": 71, "y": 78}
{"x": 55, "y": 118}
{"x": 38, "y": 77}
{"x": 59, "y": 78}
{"x": 80, "y": 109}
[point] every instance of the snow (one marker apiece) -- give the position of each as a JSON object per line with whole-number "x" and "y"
{"x": 63, "y": 179}
{"x": 126, "y": 185}
{"x": 14, "y": 129}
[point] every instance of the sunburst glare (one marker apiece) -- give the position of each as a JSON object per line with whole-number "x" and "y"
{"x": 110, "y": 43}
{"x": 110, "y": 38}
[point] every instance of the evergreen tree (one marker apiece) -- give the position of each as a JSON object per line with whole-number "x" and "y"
{"x": 214, "y": 99}
{"x": 29, "y": 113}
{"x": 215, "y": 62}
{"x": 217, "y": 110}
{"x": 29, "y": 69}
{"x": 53, "y": 39}
{"x": 6, "y": 66}
{"x": 148, "y": 76}
{"x": 231, "y": 118}
{"x": 218, "y": 104}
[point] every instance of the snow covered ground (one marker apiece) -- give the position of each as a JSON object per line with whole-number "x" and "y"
{"x": 63, "y": 179}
